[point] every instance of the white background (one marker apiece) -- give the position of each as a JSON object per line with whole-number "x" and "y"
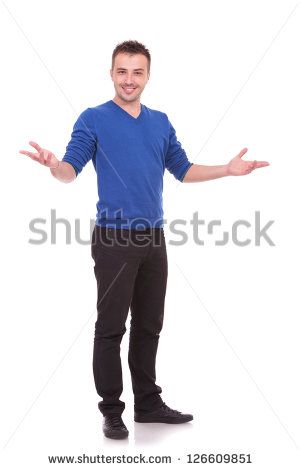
{"x": 227, "y": 75}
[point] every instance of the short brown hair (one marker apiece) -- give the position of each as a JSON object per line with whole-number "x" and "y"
{"x": 131, "y": 47}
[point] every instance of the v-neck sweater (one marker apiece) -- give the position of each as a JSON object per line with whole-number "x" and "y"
{"x": 130, "y": 155}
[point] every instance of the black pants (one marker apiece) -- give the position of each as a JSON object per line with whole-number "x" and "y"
{"x": 131, "y": 270}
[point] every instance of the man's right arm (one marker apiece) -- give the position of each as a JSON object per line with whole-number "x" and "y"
{"x": 79, "y": 151}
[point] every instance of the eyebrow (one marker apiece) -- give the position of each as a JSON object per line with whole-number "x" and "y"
{"x": 122, "y": 68}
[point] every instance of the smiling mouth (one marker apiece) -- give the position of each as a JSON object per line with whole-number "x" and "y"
{"x": 128, "y": 89}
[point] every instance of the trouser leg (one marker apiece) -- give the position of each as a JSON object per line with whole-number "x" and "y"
{"x": 115, "y": 270}
{"x": 147, "y": 314}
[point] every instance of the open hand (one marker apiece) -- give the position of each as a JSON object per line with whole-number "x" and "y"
{"x": 43, "y": 156}
{"x": 237, "y": 166}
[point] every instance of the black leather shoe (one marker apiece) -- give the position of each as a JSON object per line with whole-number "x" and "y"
{"x": 164, "y": 414}
{"x": 114, "y": 428}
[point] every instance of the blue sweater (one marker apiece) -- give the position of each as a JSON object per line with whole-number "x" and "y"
{"x": 130, "y": 156}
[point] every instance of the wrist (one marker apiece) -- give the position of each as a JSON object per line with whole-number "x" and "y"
{"x": 226, "y": 170}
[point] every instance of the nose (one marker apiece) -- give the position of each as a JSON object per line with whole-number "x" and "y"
{"x": 129, "y": 80}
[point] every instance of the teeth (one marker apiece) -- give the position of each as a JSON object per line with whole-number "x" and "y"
{"x": 128, "y": 89}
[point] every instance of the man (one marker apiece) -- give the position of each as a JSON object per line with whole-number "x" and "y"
{"x": 130, "y": 146}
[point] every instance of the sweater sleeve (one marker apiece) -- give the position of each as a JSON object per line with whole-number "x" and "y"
{"x": 83, "y": 143}
{"x": 176, "y": 159}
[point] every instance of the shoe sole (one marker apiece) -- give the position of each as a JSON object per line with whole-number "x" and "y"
{"x": 162, "y": 420}
{"x": 116, "y": 435}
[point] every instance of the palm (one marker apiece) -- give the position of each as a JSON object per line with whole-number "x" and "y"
{"x": 237, "y": 166}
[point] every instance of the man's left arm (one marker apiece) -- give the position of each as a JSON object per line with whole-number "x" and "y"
{"x": 235, "y": 167}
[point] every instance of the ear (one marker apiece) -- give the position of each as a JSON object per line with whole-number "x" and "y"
{"x": 111, "y": 74}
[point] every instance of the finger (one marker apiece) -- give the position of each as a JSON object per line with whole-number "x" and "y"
{"x": 34, "y": 156}
{"x": 47, "y": 157}
{"x": 242, "y": 152}
{"x": 42, "y": 156}
{"x": 251, "y": 165}
{"x": 35, "y": 145}
{"x": 261, "y": 164}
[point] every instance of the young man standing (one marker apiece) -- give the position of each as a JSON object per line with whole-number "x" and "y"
{"x": 130, "y": 146}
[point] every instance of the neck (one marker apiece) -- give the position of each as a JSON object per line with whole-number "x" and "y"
{"x": 133, "y": 107}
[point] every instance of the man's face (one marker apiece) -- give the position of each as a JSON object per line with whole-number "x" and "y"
{"x": 130, "y": 76}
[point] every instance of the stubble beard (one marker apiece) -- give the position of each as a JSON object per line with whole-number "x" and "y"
{"x": 128, "y": 99}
